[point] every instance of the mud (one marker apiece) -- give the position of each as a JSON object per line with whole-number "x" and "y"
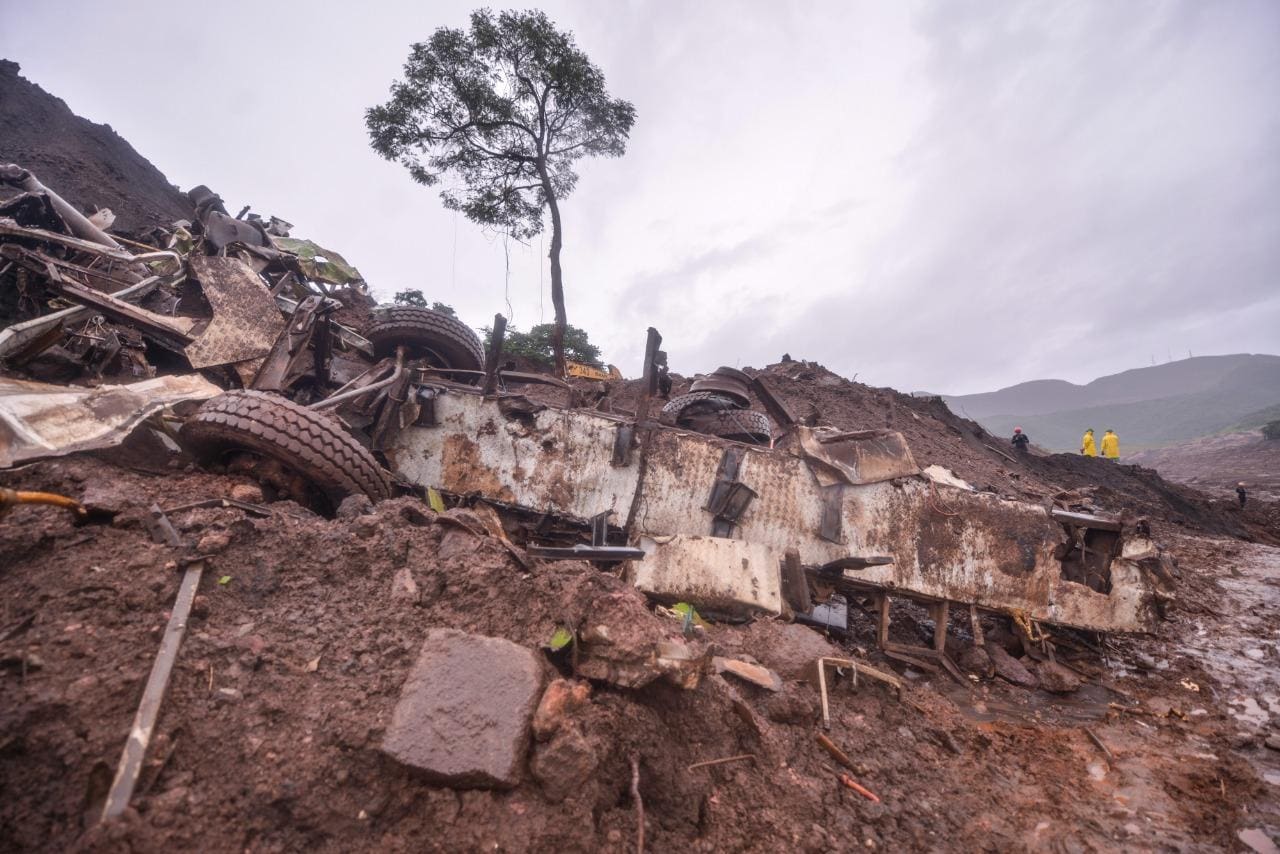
{"x": 303, "y": 634}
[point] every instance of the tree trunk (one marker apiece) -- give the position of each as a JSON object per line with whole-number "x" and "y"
{"x": 557, "y": 282}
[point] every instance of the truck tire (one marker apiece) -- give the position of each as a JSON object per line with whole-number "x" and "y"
{"x": 706, "y": 401}
{"x": 740, "y": 425}
{"x": 304, "y": 442}
{"x": 444, "y": 339}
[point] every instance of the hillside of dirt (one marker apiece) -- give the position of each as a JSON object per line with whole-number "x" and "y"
{"x": 272, "y": 732}
{"x": 88, "y": 164}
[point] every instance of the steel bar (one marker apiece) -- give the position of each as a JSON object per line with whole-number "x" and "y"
{"x": 144, "y": 722}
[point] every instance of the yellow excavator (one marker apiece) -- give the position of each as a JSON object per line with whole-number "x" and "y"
{"x": 583, "y": 370}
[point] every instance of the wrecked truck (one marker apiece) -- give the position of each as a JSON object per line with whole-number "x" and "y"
{"x": 738, "y": 511}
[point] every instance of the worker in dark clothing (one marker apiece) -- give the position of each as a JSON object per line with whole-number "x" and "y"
{"x": 1020, "y": 440}
{"x": 1241, "y": 494}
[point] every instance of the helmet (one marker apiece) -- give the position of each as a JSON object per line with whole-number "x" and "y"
{"x": 1017, "y": 429}
{"x": 1090, "y": 430}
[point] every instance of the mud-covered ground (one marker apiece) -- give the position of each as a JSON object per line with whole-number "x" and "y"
{"x": 306, "y": 627}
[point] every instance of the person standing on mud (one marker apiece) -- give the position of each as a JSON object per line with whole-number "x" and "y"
{"x": 1111, "y": 445}
{"x": 1087, "y": 447}
{"x": 1241, "y": 494}
{"x": 1020, "y": 440}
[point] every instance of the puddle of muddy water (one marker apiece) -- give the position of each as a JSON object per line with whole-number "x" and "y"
{"x": 1085, "y": 706}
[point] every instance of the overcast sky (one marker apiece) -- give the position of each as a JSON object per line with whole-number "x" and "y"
{"x": 952, "y": 197}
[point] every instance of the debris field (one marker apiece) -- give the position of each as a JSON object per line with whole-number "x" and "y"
{"x": 280, "y": 567}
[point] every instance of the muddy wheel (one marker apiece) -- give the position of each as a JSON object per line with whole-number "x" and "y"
{"x": 706, "y": 401}
{"x": 740, "y": 425}
{"x": 444, "y": 340}
{"x": 288, "y": 446}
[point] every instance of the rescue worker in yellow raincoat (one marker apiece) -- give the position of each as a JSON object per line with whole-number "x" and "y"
{"x": 1087, "y": 447}
{"x": 1111, "y": 445}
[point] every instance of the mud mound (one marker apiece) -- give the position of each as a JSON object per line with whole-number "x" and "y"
{"x": 88, "y": 164}
{"x": 305, "y": 628}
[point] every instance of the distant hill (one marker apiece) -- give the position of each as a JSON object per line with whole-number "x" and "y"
{"x": 87, "y": 164}
{"x": 1148, "y": 407}
{"x": 1217, "y": 463}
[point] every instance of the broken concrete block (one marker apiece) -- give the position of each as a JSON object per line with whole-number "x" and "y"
{"x": 745, "y": 670}
{"x": 562, "y": 698}
{"x": 464, "y": 711}
{"x": 1009, "y": 668}
{"x": 715, "y": 574}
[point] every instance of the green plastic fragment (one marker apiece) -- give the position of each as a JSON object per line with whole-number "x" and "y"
{"x": 224, "y": 580}
{"x": 561, "y": 638}
{"x": 688, "y": 612}
{"x": 435, "y": 500}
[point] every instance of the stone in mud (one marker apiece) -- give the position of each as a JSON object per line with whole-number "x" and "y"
{"x": 1056, "y": 678}
{"x": 463, "y": 715}
{"x": 562, "y": 766}
{"x": 975, "y": 659}
{"x": 562, "y": 698}
{"x": 1009, "y": 668}
{"x": 354, "y": 506}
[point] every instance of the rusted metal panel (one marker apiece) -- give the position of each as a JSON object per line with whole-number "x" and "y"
{"x": 947, "y": 542}
{"x": 245, "y": 321}
{"x": 40, "y": 420}
{"x": 719, "y": 574}
{"x": 556, "y": 460}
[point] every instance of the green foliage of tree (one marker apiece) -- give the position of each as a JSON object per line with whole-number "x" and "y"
{"x": 415, "y": 298}
{"x": 537, "y": 345}
{"x": 506, "y": 107}
{"x": 1271, "y": 430}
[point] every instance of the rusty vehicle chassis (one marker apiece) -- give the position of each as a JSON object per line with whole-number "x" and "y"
{"x": 911, "y": 535}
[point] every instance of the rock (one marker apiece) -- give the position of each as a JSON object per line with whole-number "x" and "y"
{"x": 975, "y": 659}
{"x": 753, "y": 673}
{"x": 404, "y": 588}
{"x": 354, "y": 506}
{"x": 106, "y": 499}
{"x": 228, "y": 695}
{"x": 1009, "y": 668}
{"x": 788, "y": 649}
{"x": 1273, "y": 742}
{"x": 562, "y": 698}
{"x": 247, "y": 492}
{"x": 213, "y": 542}
{"x": 464, "y": 711}
{"x": 562, "y": 766}
{"x": 1056, "y": 678}
{"x": 367, "y": 525}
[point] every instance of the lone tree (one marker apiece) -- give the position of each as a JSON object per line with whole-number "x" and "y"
{"x": 506, "y": 108}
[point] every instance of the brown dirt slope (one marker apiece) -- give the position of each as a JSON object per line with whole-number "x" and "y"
{"x": 89, "y": 165}
{"x": 305, "y": 629}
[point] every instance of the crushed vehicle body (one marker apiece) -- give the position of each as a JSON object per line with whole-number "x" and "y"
{"x": 709, "y": 503}
{"x": 855, "y": 508}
